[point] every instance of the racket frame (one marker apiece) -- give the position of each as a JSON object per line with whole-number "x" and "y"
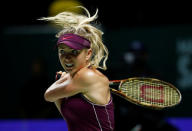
{"x": 137, "y": 102}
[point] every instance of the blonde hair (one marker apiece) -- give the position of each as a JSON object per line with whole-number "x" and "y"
{"x": 81, "y": 25}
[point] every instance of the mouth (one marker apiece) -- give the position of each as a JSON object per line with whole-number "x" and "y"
{"x": 69, "y": 66}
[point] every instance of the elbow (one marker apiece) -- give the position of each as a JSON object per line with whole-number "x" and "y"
{"x": 48, "y": 97}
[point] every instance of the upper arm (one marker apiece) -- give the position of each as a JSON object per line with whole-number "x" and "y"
{"x": 81, "y": 83}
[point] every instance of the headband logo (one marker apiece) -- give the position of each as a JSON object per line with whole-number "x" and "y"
{"x": 67, "y": 37}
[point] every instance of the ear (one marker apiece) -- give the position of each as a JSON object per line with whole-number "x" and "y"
{"x": 89, "y": 53}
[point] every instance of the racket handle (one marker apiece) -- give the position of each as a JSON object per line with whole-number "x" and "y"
{"x": 114, "y": 83}
{"x": 58, "y": 75}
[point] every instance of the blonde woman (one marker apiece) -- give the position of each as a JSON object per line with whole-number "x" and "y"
{"x": 82, "y": 93}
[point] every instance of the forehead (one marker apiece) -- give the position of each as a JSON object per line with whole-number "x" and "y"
{"x": 63, "y": 46}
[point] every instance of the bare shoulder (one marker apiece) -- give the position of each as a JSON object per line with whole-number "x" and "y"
{"x": 95, "y": 85}
{"x": 90, "y": 76}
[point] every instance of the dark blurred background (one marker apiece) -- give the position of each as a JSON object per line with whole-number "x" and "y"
{"x": 144, "y": 39}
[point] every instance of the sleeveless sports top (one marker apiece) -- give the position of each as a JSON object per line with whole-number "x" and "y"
{"x": 83, "y": 115}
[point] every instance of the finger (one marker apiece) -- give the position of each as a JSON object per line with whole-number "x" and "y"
{"x": 63, "y": 74}
{"x": 59, "y": 74}
{"x": 64, "y": 77}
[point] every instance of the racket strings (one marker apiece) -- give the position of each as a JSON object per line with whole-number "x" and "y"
{"x": 153, "y": 93}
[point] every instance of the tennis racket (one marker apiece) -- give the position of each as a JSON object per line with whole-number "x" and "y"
{"x": 147, "y": 92}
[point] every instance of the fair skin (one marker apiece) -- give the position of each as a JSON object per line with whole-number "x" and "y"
{"x": 78, "y": 78}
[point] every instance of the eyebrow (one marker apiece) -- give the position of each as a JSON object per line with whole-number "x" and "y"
{"x": 66, "y": 49}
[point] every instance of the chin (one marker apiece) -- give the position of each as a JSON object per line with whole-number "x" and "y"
{"x": 71, "y": 71}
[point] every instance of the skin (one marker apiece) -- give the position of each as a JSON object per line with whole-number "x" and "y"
{"x": 80, "y": 78}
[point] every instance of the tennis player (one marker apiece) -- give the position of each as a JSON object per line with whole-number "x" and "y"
{"x": 82, "y": 93}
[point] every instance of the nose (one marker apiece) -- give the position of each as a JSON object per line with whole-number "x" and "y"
{"x": 68, "y": 57}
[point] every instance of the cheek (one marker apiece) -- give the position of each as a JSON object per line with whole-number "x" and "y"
{"x": 61, "y": 59}
{"x": 80, "y": 60}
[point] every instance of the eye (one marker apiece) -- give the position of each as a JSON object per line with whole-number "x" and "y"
{"x": 75, "y": 52}
{"x": 62, "y": 52}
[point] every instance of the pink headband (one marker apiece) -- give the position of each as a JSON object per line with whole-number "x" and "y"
{"x": 74, "y": 41}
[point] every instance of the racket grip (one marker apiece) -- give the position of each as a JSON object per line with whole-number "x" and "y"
{"x": 58, "y": 75}
{"x": 113, "y": 83}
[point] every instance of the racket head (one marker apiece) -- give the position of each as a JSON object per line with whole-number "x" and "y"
{"x": 149, "y": 92}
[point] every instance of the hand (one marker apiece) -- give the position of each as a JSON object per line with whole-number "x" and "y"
{"x": 62, "y": 77}
{"x": 62, "y": 80}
